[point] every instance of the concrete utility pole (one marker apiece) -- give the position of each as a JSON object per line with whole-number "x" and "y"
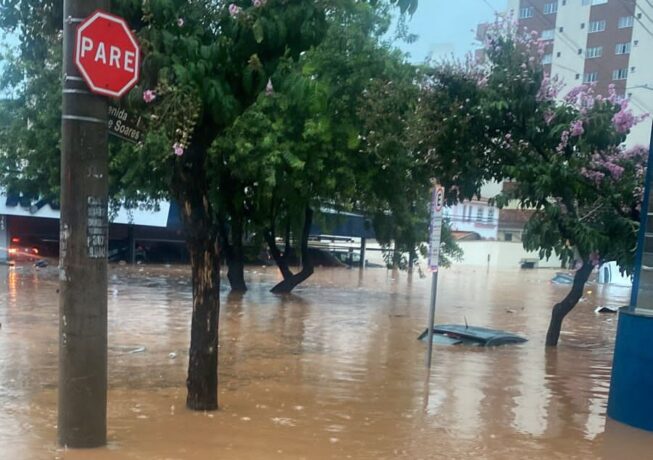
{"x": 83, "y": 250}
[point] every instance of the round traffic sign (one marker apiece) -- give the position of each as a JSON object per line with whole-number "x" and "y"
{"x": 439, "y": 198}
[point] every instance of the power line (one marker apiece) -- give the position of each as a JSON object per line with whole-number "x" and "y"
{"x": 490, "y": 6}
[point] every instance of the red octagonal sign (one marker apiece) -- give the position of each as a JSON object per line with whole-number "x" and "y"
{"x": 107, "y": 54}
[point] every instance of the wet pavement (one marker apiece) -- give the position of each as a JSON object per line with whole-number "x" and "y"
{"x": 333, "y": 371}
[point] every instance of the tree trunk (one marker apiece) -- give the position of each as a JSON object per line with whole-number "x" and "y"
{"x": 236, "y": 272}
{"x": 235, "y": 255}
{"x": 202, "y": 240}
{"x": 202, "y": 379}
{"x": 292, "y": 280}
{"x": 562, "y": 309}
{"x": 411, "y": 260}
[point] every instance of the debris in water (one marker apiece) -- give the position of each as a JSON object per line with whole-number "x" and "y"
{"x": 563, "y": 278}
{"x": 283, "y": 421}
{"x": 606, "y": 309}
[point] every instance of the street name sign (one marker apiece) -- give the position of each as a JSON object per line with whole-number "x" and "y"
{"x": 437, "y": 204}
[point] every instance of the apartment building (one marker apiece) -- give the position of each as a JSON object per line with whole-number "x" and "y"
{"x": 597, "y": 41}
{"x": 476, "y": 219}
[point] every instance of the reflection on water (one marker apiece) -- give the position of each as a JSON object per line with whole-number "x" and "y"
{"x": 332, "y": 371}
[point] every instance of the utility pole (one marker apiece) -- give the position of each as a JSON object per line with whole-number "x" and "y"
{"x": 83, "y": 250}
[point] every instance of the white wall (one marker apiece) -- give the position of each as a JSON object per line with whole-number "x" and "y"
{"x": 491, "y": 189}
{"x": 568, "y": 42}
{"x": 640, "y": 82}
{"x": 502, "y": 254}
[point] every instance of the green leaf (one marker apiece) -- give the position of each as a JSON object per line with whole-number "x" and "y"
{"x": 258, "y": 31}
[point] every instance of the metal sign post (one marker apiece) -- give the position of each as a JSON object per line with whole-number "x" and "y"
{"x": 437, "y": 203}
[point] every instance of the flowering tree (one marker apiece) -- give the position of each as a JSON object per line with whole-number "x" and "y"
{"x": 566, "y": 158}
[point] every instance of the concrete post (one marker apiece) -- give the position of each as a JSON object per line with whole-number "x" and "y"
{"x": 83, "y": 250}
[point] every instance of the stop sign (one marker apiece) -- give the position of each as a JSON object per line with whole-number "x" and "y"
{"x": 107, "y": 54}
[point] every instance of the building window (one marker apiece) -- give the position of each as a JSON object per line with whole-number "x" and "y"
{"x": 508, "y": 236}
{"x": 558, "y": 54}
{"x": 548, "y": 34}
{"x": 547, "y": 58}
{"x": 577, "y": 76}
{"x": 595, "y": 52}
{"x": 620, "y": 74}
{"x": 591, "y": 77}
{"x": 490, "y": 215}
{"x": 561, "y": 29}
{"x": 551, "y": 8}
{"x": 594, "y": 2}
{"x": 622, "y": 48}
{"x": 597, "y": 26}
{"x": 526, "y": 13}
{"x": 479, "y": 214}
{"x": 626, "y": 21}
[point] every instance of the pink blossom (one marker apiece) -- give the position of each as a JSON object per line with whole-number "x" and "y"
{"x": 623, "y": 120}
{"x": 577, "y": 128}
{"x": 234, "y": 10}
{"x": 573, "y": 95}
{"x": 549, "y": 88}
{"x": 594, "y": 176}
{"x": 549, "y": 115}
{"x": 564, "y": 141}
{"x": 180, "y": 22}
{"x": 178, "y": 149}
{"x": 269, "y": 89}
{"x": 638, "y": 151}
{"x": 258, "y": 3}
{"x": 149, "y": 96}
{"x": 615, "y": 170}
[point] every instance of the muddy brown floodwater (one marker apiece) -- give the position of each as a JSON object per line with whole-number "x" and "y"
{"x": 331, "y": 372}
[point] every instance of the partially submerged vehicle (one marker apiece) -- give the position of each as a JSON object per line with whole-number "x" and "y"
{"x": 461, "y": 334}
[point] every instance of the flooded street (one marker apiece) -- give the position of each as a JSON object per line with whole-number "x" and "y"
{"x": 331, "y": 372}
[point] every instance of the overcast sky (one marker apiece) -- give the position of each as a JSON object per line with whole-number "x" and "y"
{"x": 448, "y": 27}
